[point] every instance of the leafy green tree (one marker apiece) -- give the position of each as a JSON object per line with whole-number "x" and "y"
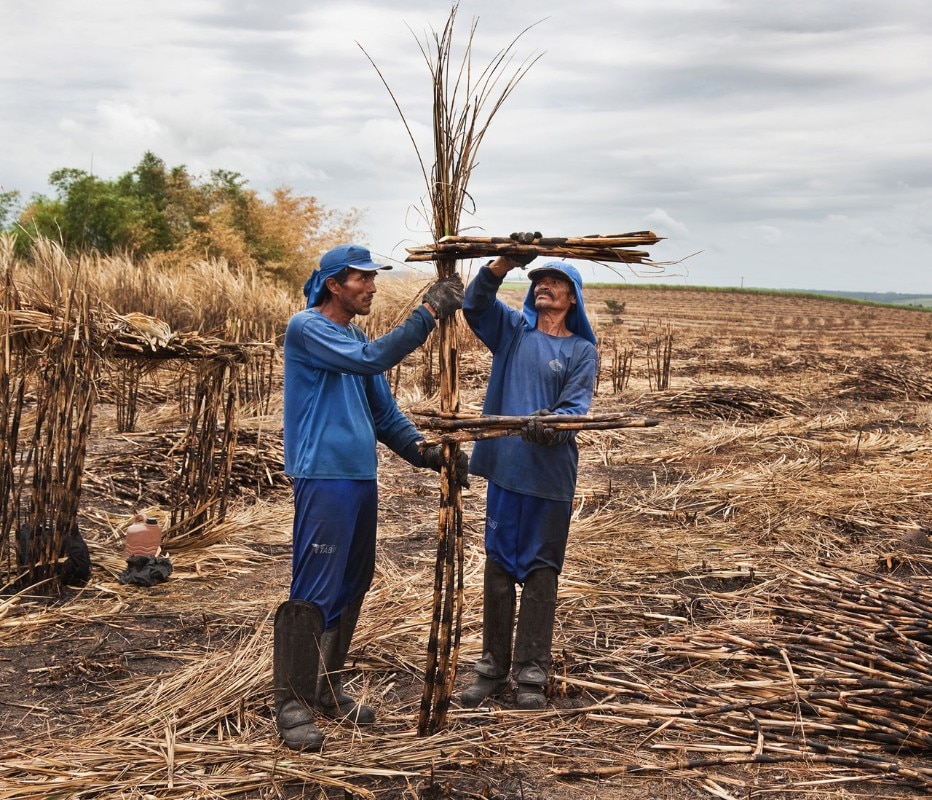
{"x": 147, "y": 186}
{"x": 166, "y": 213}
{"x": 87, "y": 214}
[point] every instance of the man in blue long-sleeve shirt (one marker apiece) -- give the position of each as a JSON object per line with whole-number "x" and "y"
{"x": 337, "y": 404}
{"x": 544, "y": 361}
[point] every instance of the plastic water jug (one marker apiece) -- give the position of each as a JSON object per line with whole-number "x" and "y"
{"x": 143, "y": 537}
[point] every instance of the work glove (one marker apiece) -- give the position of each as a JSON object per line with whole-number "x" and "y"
{"x": 433, "y": 458}
{"x": 527, "y": 256}
{"x": 445, "y": 296}
{"x": 525, "y": 237}
{"x": 538, "y": 432}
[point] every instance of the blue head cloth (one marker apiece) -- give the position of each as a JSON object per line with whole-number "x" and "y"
{"x": 576, "y": 319}
{"x": 334, "y": 260}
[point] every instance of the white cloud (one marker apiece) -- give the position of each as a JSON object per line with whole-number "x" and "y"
{"x": 771, "y": 137}
{"x": 660, "y": 219}
{"x": 769, "y": 234}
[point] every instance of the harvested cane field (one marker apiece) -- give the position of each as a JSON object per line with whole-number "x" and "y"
{"x": 745, "y": 612}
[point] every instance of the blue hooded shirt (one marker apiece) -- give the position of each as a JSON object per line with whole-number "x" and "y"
{"x": 531, "y": 370}
{"x": 337, "y": 401}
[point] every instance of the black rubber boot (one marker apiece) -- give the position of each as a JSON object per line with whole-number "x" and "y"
{"x": 334, "y": 645}
{"x": 534, "y": 638}
{"x": 296, "y": 653}
{"x": 498, "y": 620}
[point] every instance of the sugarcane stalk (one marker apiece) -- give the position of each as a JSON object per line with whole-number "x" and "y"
{"x": 457, "y": 131}
{"x": 446, "y": 422}
{"x": 481, "y": 434}
{"x": 611, "y": 240}
{"x": 607, "y": 254}
{"x": 595, "y": 247}
{"x": 516, "y": 247}
{"x": 443, "y": 639}
{"x": 859, "y": 761}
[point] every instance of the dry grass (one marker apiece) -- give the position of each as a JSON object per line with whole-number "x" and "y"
{"x": 740, "y": 614}
{"x": 201, "y": 296}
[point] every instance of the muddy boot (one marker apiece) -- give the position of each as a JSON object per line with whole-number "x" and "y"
{"x": 534, "y": 638}
{"x": 298, "y": 626}
{"x": 334, "y": 645}
{"x": 498, "y": 619}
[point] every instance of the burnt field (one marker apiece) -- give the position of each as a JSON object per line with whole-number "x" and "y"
{"x": 746, "y": 609}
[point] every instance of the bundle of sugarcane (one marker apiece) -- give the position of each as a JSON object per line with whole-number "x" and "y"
{"x": 596, "y": 247}
{"x": 728, "y": 401}
{"x": 64, "y": 376}
{"x": 457, "y": 131}
{"x": 135, "y": 473}
{"x": 471, "y": 428}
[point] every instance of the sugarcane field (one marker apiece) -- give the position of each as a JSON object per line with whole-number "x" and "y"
{"x": 745, "y": 606}
{"x": 744, "y": 612}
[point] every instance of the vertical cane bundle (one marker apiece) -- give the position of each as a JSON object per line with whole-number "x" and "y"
{"x": 462, "y": 111}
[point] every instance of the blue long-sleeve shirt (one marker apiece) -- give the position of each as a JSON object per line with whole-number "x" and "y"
{"x": 530, "y": 371}
{"x": 337, "y": 402}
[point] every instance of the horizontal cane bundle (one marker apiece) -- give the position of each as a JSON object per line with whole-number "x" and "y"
{"x": 470, "y": 428}
{"x": 596, "y": 247}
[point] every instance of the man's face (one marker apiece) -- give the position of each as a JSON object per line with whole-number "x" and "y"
{"x": 553, "y": 294}
{"x": 355, "y": 295}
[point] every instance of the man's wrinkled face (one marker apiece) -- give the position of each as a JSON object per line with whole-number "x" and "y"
{"x": 553, "y": 294}
{"x": 355, "y": 295}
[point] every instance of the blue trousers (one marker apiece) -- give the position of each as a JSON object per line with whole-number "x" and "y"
{"x": 333, "y": 543}
{"x": 524, "y": 533}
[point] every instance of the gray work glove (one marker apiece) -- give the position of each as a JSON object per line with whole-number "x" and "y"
{"x": 445, "y": 296}
{"x": 538, "y": 432}
{"x": 527, "y": 256}
{"x": 433, "y": 458}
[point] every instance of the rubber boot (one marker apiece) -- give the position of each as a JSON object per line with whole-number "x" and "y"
{"x": 534, "y": 638}
{"x": 298, "y": 627}
{"x": 334, "y": 645}
{"x": 498, "y": 620}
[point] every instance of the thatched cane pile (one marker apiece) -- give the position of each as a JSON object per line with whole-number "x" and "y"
{"x": 883, "y": 380}
{"x": 830, "y": 667}
{"x": 55, "y": 350}
{"x": 728, "y": 401}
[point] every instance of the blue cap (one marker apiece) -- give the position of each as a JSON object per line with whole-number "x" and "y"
{"x": 576, "y": 320}
{"x": 332, "y": 262}
{"x": 349, "y": 255}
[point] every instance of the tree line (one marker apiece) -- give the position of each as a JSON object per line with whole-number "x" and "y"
{"x": 171, "y": 216}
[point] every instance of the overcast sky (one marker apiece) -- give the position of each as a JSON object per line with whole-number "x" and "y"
{"x": 790, "y": 142}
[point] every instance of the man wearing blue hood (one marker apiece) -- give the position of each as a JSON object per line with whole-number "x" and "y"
{"x": 337, "y": 404}
{"x": 544, "y": 361}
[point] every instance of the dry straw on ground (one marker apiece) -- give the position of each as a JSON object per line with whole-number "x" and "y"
{"x": 743, "y": 612}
